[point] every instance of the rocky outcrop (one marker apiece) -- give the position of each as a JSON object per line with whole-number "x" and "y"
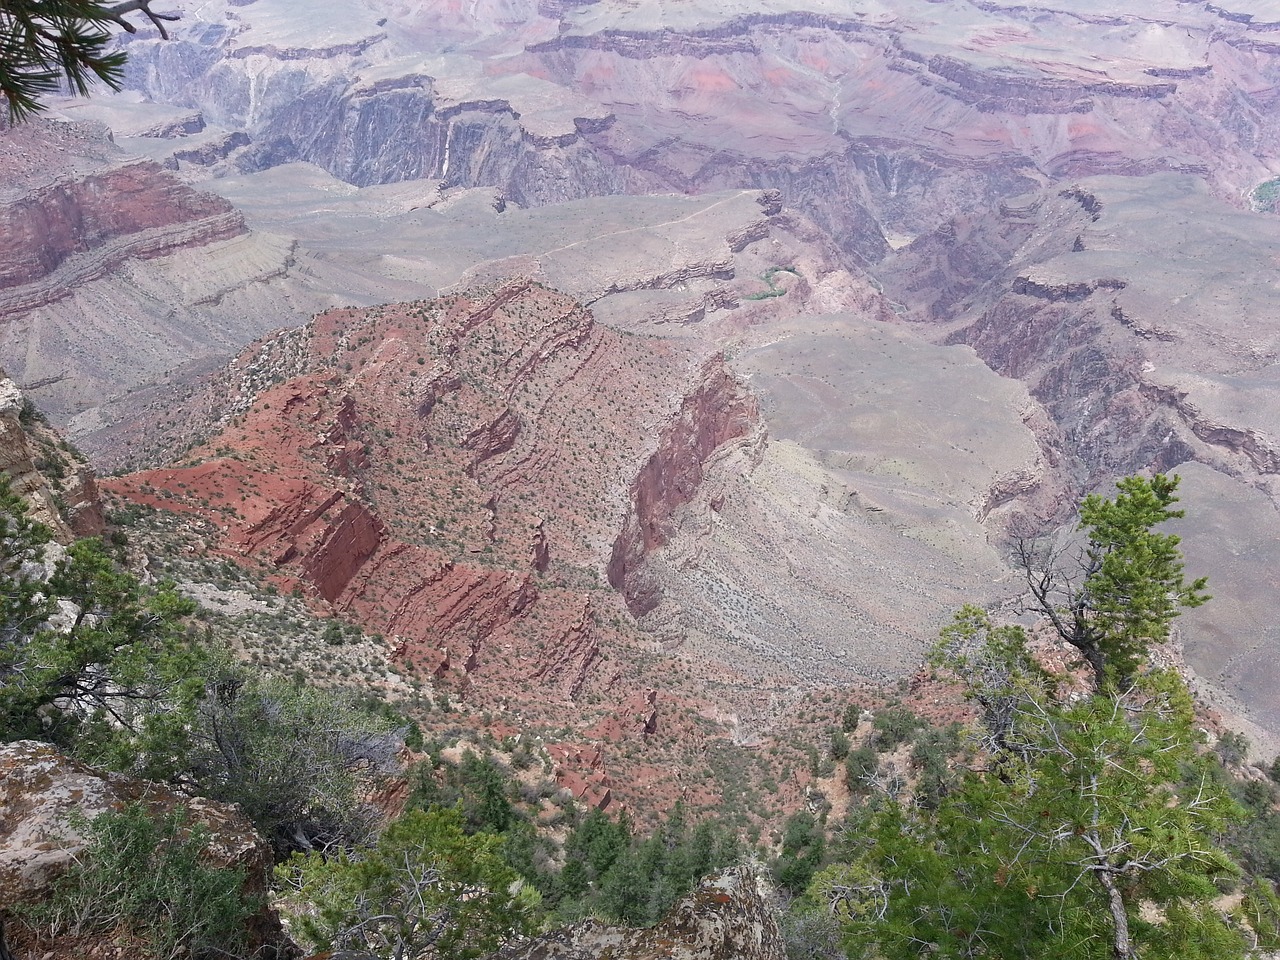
{"x": 69, "y": 232}
{"x": 581, "y": 771}
{"x": 992, "y": 91}
{"x": 1255, "y": 446}
{"x": 212, "y": 151}
{"x": 1068, "y": 290}
{"x": 575, "y": 655}
{"x": 183, "y": 126}
{"x": 55, "y": 481}
{"x": 41, "y": 790}
{"x": 731, "y": 916}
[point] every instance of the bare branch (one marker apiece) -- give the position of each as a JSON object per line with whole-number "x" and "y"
{"x": 118, "y": 12}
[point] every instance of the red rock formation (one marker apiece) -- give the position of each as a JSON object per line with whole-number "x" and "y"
{"x": 718, "y": 411}
{"x": 577, "y": 652}
{"x": 452, "y": 474}
{"x": 581, "y": 771}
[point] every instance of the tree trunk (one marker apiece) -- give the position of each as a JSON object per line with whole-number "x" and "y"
{"x": 1122, "y": 946}
{"x": 1097, "y": 661}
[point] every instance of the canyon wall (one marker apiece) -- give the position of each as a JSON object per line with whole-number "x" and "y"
{"x": 719, "y": 410}
{"x": 870, "y": 125}
{"x": 64, "y": 234}
{"x": 444, "y": 471}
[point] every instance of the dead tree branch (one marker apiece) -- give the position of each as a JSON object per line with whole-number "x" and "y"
{"x": 118, "y": 12}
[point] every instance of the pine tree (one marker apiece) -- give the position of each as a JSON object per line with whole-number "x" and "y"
{"x": 1083, "y": 828}
{"x": 1121, "y": 593}
{"x": 1095, "y": 837}
{"x": 428, "y": 889}
{"x": 45, "y": 43}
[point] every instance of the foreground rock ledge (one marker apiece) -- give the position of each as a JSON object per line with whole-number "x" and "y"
{"x": 729, "y": 917}
{"x": 39, "y": 790}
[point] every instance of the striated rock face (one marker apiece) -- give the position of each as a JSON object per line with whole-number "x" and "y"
{"x": 57, "y": 484}
{"x": 961, "y": 153}
{"x": 470, "y": 143}
{"x": 39, "y": 790}
{"x": 66, "y": 233}
{"x": 1082, "y": 314}
{"x": 731, "y": 916}
{"x": 113, "y": 270}
{"x": 872, "y": 123}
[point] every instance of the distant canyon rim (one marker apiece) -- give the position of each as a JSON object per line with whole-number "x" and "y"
{"x": 766, "y": 326}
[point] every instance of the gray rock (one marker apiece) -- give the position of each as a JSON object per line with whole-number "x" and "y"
{"x": 730, "y": 917}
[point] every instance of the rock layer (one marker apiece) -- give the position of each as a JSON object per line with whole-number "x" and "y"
{"x": 720, "y": 410}
{"x": 67, "y": 233}
{"x": 58, "y": 485}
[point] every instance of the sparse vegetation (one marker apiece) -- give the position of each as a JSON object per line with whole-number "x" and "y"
{"x": 145, "y": 882}
{"x": 774, "y": 289}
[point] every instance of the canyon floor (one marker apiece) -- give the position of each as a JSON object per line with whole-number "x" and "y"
{"x": 631, "y": 366}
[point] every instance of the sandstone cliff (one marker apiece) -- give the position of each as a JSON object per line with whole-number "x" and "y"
{"x": 719, "y": 410}
{"x": 114, "y": 270}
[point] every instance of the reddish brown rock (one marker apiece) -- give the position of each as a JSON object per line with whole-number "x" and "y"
{"x": 581, "y": 771}
{"x": 718, "y": 411}
{"x": 452, "y": 474}
{"x": 70, "y": 231}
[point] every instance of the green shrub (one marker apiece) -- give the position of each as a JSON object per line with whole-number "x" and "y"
{"x": 296, "y": 759}
{"x": 859, "y": 766}
{"x": 803, "y": 847}
{"x": 1260, "y": 910}
{"x": 1232, "y": 747}
{"x": 839, "y": 745}
{"x": 852, "y": 715}
{"x": 426, "y": 890}
{"x": 146, "y": 879}
{"x": 895, "y": 726}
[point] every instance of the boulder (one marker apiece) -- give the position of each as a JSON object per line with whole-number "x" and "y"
{"x": 41, "y": 789}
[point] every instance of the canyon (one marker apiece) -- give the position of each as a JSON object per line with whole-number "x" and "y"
{"x": 660, "y": 367}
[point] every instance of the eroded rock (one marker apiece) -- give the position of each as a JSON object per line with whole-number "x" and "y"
{"x": 56, "y": 483}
